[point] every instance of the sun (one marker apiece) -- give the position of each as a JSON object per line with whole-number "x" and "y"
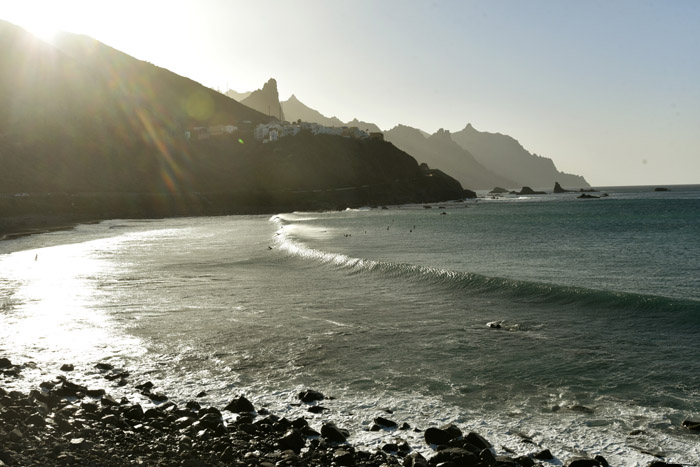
{"x": 43, "y": 28}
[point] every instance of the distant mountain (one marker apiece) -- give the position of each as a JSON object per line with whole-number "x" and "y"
{"x": 441, "y": 152}
{"x": 239, "y": 96}
{"x": 504, "y": 155}
{"x": 294, "y": 110}
{"x": 266, "y": 100}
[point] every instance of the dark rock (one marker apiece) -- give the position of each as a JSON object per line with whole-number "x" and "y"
{"x": 292, "y": 439}
{"x": 95, "y": 393}
{"x": 438, "y": 436}
{"x": 201, "y": 394}
{"x": 585, "y": 196}
{"x": 693, "y": 425}
{"x": 544, "y": 455}
{"x": 603, "y": 461}
{"x": 661, "y": 189}
{"x": 487, "y": 457}
{"x": 67, "y": 367}
{"x": 109, "y": 401}
{"x": 415, "y": 459}
{"x": 104, "y": 366}
{"x": 477, "y": 440}
{"x": 156, "y": 397}
{"x": 36, "y": 420}
{"x": 583, "y": 462}
{"x": 135, "y": 412}
{"x": 343, "y": 457}
{"x": 390, "y": 447}
{"x": 457, "y": 456}
{"x": 526, "y": 190}
{"x": 316, "y": 409}
{"x": 381, "y": 421}
{"x": 524, "y": 461}
{"x": 240, "y": 405}
{"x": 333, "y": 433}
{"x": 5, "y": 363}
{"x": 405, "y": 426}
{"x": 559, "y": 189}
{"x": 210, "y": 420}
{"x": 581, "y": 408}
{"x": 311, "y": 396}
{"x": 663, "y": 464}
{"x": 498, "y": 190}
{"x": 469, "y": 194}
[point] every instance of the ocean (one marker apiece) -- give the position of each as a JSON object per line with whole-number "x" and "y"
{"x": 542, "y": 321}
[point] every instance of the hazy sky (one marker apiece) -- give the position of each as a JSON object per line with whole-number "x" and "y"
{"x": 608, "y": 89}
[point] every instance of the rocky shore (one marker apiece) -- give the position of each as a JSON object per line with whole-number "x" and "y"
{"x": 65, "y": 423}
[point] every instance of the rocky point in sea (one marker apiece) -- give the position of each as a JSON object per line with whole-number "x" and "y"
{"x": 65, "y": 423}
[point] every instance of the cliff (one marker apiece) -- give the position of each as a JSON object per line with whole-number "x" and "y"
{"x": 441, "y": 152}
{"x": 506, "y": 156}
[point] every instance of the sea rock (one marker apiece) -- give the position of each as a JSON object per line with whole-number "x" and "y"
{"x": 415, "y": 459}
{"x": 310, "y": 395}
{"x": 240, "y": 405}
{"x": 583, "y": 462}
{"x": 292, "y": 439}
{"x": 526, "y": 190}
{"x": 441, "y": 436}
{"x": 469, "y": 194}
{"x": 585, "y": 196}
{"x": 661, "y": 189}
{"x": 384, "y": 422}
{"x": 498, "y": 190}
{"x": 544, "y": 455}
{"x": 559, "y": 189}
{"x": 67, "y": 367}
{"x": 5, "y": 363}
{"x": 693, "y": 425}
{"x": 477, "y": 440}
{"x": 333, "y": 433}
{"x": 457, "y": 456}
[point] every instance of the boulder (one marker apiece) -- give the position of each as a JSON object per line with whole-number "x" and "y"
{"x": 311, "y": 396}
{"x": 386, "y": 423}
{"x": 693, "y": 425}
{"x": 292, "y": 439}
{"x": 333, "y": 433}
{"x": 457, "y": 456}
{"x": 240, "y": 405}
{"x": 583, "y": 462}
{"x": 439, "y": 436}
{"x": 477, "y": 440}
{"x": 5, "y": 363}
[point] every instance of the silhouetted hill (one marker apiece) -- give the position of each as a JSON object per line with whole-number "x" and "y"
{"x": 266, "y": 100}
{"x": 441, "y": 152}
{"x": 294, "y": 110}
{"x": 239, "y": 96}
{"x": 505, "y": 155}
{"x": 105, "y": 134}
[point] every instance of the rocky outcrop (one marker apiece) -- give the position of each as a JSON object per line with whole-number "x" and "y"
{"x": 526, "y": 190}
{"x": 559, "y": 189}
{"x": 266, "y": 100}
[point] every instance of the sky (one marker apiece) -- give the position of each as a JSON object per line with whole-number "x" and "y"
{"x": 607, "y": 89}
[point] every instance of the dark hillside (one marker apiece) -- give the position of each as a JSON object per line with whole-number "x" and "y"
{"x": 90, "y": 132}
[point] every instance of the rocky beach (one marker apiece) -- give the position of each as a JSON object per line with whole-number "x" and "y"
{"x": 65, "y": 423}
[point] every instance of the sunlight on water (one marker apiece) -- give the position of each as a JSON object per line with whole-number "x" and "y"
{"x": 55, "y": 303}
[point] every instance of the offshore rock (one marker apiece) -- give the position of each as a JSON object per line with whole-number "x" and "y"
{"x": 310, "y": 395}
{"x": 526, "y": 190}
{"x": 693, "y": 425}
{"x": 438, "y": 436}
{"x": 384, "y": 422}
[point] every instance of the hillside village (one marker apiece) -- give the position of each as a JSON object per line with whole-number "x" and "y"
{"x": 273, "y": 131}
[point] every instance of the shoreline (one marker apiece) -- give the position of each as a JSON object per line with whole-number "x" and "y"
{"x": 64, "y": 423}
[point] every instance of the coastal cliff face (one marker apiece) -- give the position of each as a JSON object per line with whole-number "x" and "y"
{"x": 83, "y": 118}
{"x": 440, "y": 151}
{"x": 505, "y": 155}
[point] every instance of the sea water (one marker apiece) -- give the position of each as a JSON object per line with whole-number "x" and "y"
{"x": 539, "y": 322}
